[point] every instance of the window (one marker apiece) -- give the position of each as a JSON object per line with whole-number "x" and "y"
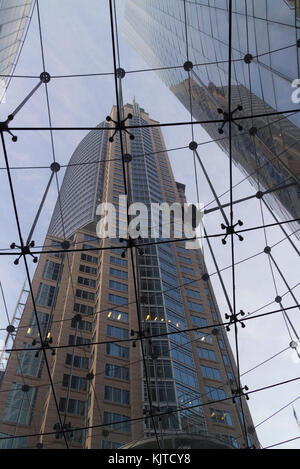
{"x": 221, "y": 343}
{"x": 20, "y": 405}
{"x": 221, "y": 416}
{"x": 117, "y": 261}
{"x": 113, "y": 314}
{"x": 87, "y": 258}
{"x": 82, "y": 325}
{"x": 215, "y": 394}
{"x": 231, "y": 440}
{"x": 118, "y": 332}
{"x": 187, "y": 270}
{"x": 116, "y": 421}
{"x": 45, "y": 295}
{"x": 121, "y": 396}
{"x": 118, "y": 273}
{"x": 212, "y": 373}
{"x": 201, "y": 322}
{"x": 225, "y": 359}
{"x": 29, "y": 364}
{"x": 87, "y": 269}
{"x": 116, "y": 371}
{"x": 84, "y": 309}
{"x": 87, "y": 281}
{"x": 77, "y": 382}
{"x": 43, "y": 319}
{"x": 203, "y": 337}
{"x": 185, "y": 375}
{"x": 206, "y": 354}
{"x": 196, "y": 307}
{"x": 85, "y": 295}
{"x": 116, "y": 350}
{"x": 93, "y": 239}
{"x": 106, "y": 444}
{"x": 118, "y": 285}
{"x": 51, "y": 270}
{"x": 119, "y": 300}
{"x": 12, "y": 443}
{"x": 78, "y": 362}
{"x": 87, "y": 246}
{"x": 192, "y": 293}
{"x": 79, "y": 341}
{"x": 187, "y": 260}
{"x": 74, "y": 406}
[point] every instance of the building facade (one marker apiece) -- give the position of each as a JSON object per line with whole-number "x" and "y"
{"x": 14, "y": 16}
{"x": 95, "y": 306}
{"x": 265, "y": 63}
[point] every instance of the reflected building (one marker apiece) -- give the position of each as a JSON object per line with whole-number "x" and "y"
{"x": 265, "y": 62}
{"x": 88, "y": 299}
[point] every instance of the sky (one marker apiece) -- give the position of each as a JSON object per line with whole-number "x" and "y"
{"x": 77, "y": 40}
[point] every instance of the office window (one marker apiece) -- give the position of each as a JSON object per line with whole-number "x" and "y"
{"x": 87, "y": 269}
{"x": 187, "y": 260}
{"x": 115, "y": 421}
{"x": 187, "y": 270}
{"x": 87, "y": 237}
{"x": 77, "y": 382}
{"x": 221, "y": 416}
{"x": 225, "y": 359}
{"x": 116, "y": 350}
{"x": 79, "y": 341}
{"x": 192, "y": 293}
{"x": 231, "y": 440}
{"x": 82, "y": 325}
{"x": 28, "y": 363}
{"x": 45, "y": 295}
{"x": 86, "y": 295}
{"x": 20, "y": 405}
{"x": 116, "y": 315}
{"x": 51, "y": 270}
{"x": 43, "y": 319}
{"x": 118, "y": 300}
{"x": 215, "y": 394}
{"x": 106, "y": 444}
{"x": 87, "y": 281}
{"x": 201, "y": 322}
{"x": 121, "y": 396}
{"x": 212, "y": 373}
{"x": 118, "y": 273}
{"x": 204, "y": 337}
{"x": 117, "y": 261}
{"x": 206, "y": 354}
{"x": 78, "y": 362}
{"x": 11, "y": 443}
{"x": 196, "y": 307}
{"x": 84, "y": 309}
{"x": 118, "y": 286}
{"x": 74, "y": 406}
{"x": 116, "y": 371}
{"x": 87, "y": 258}
{"x": 117, "y": 332}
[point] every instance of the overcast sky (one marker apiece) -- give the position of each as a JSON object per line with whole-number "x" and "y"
{"x": 77, "y": 40}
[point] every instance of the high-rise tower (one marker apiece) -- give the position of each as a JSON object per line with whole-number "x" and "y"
{"x": 265, "y": 63}
{"x": 97, "y": 307}
{"x": 14, "y": 18}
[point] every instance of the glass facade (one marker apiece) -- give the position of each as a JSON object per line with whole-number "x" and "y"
{"x": 81, "y": 191}
{"x": 266, "y": 30}
{"x": 14, "y": 16}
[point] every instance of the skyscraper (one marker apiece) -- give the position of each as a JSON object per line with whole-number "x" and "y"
{"x": 99, "y": 310}
{"x": 265, "y": 63}
{"x": 14, "y": 17}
